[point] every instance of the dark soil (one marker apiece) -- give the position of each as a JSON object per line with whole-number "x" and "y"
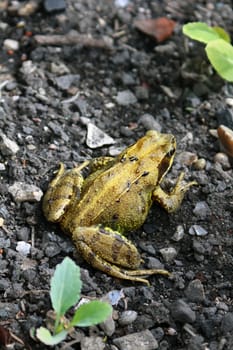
{"x": 176, "y": 88}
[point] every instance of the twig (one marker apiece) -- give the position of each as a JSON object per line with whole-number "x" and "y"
{"x": 73, "y": 38}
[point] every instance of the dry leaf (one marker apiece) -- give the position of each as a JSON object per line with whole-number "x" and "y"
{"x": 160, "y": 28}
{"x": 5, "y": 336}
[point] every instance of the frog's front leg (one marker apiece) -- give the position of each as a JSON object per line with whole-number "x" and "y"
{"x": 63, "y": 189}
{"x": 171, "y": 201}
{"x": 112, "y": 253}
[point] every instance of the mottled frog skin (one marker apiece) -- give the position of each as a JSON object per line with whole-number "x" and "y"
{"x": 114, "y": 198}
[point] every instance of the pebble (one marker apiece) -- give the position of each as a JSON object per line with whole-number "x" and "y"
{"x": 179, "y": 234}
{"x": 182, "y": 312}
{"x": 59, "y": 68}
{"x": 96, "y": 137}
{"x": 149, "y": 122}
{"x": 125, "y": 98}
{"x": 195, "y": 291}
{"x": 144, "y": 340}
{"x": 154, "y": 263}
{"x": 197, "y": 230}
{"x": 168, "y": 254}
{"x": 64, "y": 82}
{"x": 54, "y": 5}
{"x": 186, "y": 158}
{"x": 227, "y": 323}
{"x": 127, "y": 317}
{"x": 92, "y": 342}
{"x": 10, "y": 44}
{"x": 142, "y": 92}
{"x": 199, "y": 164}
{"x": 7, "y": 146}
{"x": 23, "y": 248}
{"x": 52, "y": 249}
{"x": 222, "y": 159}
{"x": 108, "y": 326}
{"x": 22, "y": 192}
{"x": 28, "y": 8}
{"x": 201, "y": 209}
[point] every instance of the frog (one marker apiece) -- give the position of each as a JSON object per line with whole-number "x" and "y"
{"x": 97, "y": 210}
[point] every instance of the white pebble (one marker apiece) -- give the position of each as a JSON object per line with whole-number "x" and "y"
{"x": 10, "y": 44}
{"x": 23, "y": 248}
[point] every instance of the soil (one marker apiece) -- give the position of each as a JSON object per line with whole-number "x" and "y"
{"x": 49, "y": 94}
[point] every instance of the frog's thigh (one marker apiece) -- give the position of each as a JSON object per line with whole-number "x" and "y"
{"x": 62, "y": 190}
{"x": 88, "y": 245}
{"x": 107, "y": 244}
{"x": 171, "y": 201}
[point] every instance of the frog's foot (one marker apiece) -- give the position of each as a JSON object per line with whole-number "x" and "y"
{"x": 171, "y": 201}
{"x": 112, "y": 253}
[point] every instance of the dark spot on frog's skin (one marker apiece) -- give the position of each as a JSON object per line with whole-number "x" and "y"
{"x": 115, "y": 217}
{"x": 133, "y": 158}
{"x": 145, "y": 173}
{"x": 116, "y": 247}
{"x": 123, "y": 159}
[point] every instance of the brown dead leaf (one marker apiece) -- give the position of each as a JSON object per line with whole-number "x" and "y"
{"x": 5, "y": 336}
{"x": 160, "y": 28}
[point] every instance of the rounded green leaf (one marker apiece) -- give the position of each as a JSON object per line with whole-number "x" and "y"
{"x": 44, "y": 335}
{"x": 65, "y": 286}
{"x": 200, "y": 31}
{"x": 91, "y": 313}
{"x": 220, "y": 54}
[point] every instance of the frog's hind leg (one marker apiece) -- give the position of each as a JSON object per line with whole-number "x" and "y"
{"x": 110, "y": 252}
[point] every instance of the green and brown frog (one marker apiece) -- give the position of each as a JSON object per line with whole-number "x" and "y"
{"x": 115, "y": 198}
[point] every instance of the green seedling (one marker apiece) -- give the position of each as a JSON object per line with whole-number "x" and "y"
{"x": 218, "y": 48}
{"x": 65, "y": 293}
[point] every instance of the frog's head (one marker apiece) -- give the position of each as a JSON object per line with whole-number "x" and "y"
{"x": 154, "y": 149}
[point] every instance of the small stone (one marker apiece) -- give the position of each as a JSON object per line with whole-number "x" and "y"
{"x": 227, "y": 323}
{"x": 108, "y": 326}
{"x": 28, "y": 8}
{"x": 143, "y": 340}
{"x": 197, "y": 230}
{"x": 64, "y": 82}
{"x": 96, "y": 137}
{"x": 149, "y": 122}
{"x": 10, "y": 44}
{"x": 201, "y": 209}
{"x": 225, "y": 135}
{"x": 7, "y": 146}
{"x": 179, "y": 234}
{"x": 222, "y": 159}
{"x": 59, "y": 68}
{"x": 52, "y": 249}
{"x": 125, "y": 98}
{"x": 186, "y": 158}
{"x": 182, "y": 312}
{"x": 142, "y": 92}
{"x": 90, "y": 343}
{"x": 23, "y": 248}
{"x": 22, "y": 192}
{"x": 127, "y": 317}
{"x": 168, "y": 254}
{"x": 199, "y": 164}
{"x": 195, "y": 291}
{"x": 154, "y": 263}
{"x": 54, "y": 5}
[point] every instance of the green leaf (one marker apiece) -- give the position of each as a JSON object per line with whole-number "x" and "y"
{"x": 91, "y": 313}
{"x": 222, "y": 34}
{"x": 220, "y": 54}
{"x": 47, "y": 338}
{"x": 65, "y": 286}
{"x": 201, "y": 32}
